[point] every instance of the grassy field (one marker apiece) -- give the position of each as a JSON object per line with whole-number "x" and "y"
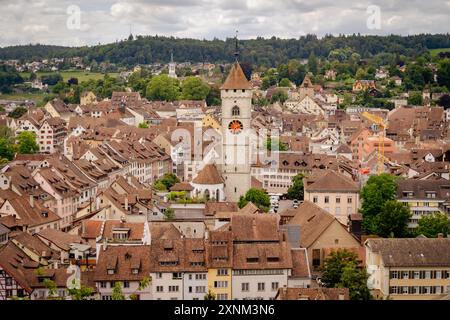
{"x": 37, "y": 97}
{"x": 80, "y": 75}
{"x": 435, "y": 52}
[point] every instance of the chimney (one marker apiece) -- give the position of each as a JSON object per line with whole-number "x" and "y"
{"x": 105, "y": 244}
{"x": 31, "y": 201}
{"x": 440, "y": 235}
{"x": 126, "y": 202}
{"x": 129, "y": 179}
{"x": 341, "y": 296}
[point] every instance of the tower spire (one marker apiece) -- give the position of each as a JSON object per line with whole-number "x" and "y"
{"x": 236, "y": 51}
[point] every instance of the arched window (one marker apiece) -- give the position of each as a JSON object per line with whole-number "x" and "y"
{"x": 235, "y": 111}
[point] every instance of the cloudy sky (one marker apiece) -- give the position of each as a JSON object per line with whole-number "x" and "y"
{"x": 102, "y": 21}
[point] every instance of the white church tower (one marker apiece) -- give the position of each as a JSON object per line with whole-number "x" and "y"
{"x": 172, "y": 67}
{"x": 236, "y": 94}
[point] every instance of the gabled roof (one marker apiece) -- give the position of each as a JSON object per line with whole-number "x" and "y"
{"x": 412, "y": 252}
{"x": 313, "y": 221}
{"x": 334, "y": 182}
{"x": 236, "y": 79}
{"x": 208, "y": 175}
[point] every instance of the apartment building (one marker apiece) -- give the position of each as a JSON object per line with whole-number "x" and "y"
{"x": 423, "y": 197}
{"x": 408, "y": 269}
{"x": 333, "y": 192}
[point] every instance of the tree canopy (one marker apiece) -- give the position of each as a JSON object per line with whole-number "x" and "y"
{"x": 431, "y": 225}
{"x": 258, "y": 197}
{"x": 163, "y": 88}
{"x": 193, "y": 88}
{"x": 374, "y": 194}
{"x": 296, "y": 191}
{"x": 26, "y": 143}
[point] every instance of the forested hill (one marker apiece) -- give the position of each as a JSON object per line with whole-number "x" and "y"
{"x": 260, "y": 51}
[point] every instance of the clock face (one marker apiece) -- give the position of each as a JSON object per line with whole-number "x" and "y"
{"x": 235, "y": 127}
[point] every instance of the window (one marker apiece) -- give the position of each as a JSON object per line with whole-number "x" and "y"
{"x": 235, "y": 111}
{"x": 316, "y": 257}
{"x": 174, "y": 288}
{"x": 245, "y": 286}
{"x": 159, "y": 289}
{"x": 327, "y": 199}
{"x": 349, "y": 199}
{"x": 261, "y": 286}
{"x": 103, "y": 284}
{"x": 394, "y": 274}
{"x": 222, "y": 272}
{"x": 222, "y": 296}
{"x": 200, "y": 289}
{"x": 158, "y": 275}
{"x": 176, "y": 275}
{"x": 315, "y": 199}
{"x": 338, "y": 199}
{"x": 220, "y": 284}
{"x": 274, "y": 286}
{"x": 126, "y": 284}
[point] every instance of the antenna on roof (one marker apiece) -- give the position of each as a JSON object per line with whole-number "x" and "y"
{"x": 236, "y": 51}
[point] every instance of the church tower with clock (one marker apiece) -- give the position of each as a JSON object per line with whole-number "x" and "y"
{"x": 236, "y": 94}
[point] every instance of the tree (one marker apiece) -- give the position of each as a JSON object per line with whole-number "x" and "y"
{"x": 168, "y": 180}
{"x": 159, "y": 186}
{"x": 334, "y": 265}
{"x": 444, "y": 101}
{"x": 415, "y": 99}
{"x": 296, "y": 190}
{"x": 162, "y": 87}
{"x": 6, "y": 144}
{"x": 143, "y": 125}
{"x": 169, "y": 214}
{"x": 17, "y": 112}
{"x": 117, "y": 293}
{"x": 193, "y": 88}
{"x": 374, "y": 194}
{"x": 355, "y": 279}
{"x": 258, "y": 197}
{"x": 83, "y": 293}
{"x": 51, "y": 79}
{"x": 26, "y": 143}
{"x": 313, "y": 64}
{"x": 210, "y": 295}
{"x": 341, "y": 270}
{"x": 213, "y": 97}
{"x": 273, "y": 144}
{"x": 443, "y": 73}
{"x": 279, "y": 95}
{"x": 431, "y": 225}
{"x": 392, "y": 220}
{"x": 285, "y": 82}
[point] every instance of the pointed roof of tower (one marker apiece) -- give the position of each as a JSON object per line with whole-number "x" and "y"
{"x": 306, "y": 82}
{"x": 236, "y": 79}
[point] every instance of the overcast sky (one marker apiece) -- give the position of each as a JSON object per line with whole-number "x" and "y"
{"x": 104, "y": 21}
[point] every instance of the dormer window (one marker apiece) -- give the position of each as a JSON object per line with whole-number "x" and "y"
{"x": 408, "y": 194}
{"x": 111, "y": 271}
{"x": 430, "y": 194}
{"x": 135, "y": 271}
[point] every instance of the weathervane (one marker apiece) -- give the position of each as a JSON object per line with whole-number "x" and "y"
{"x": 236, "y": 52}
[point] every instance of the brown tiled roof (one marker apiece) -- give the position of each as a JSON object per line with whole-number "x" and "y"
{"x": 313, "y": 294}
{"x": 90, "y": 229}
{"x": 208, "y": 175}
{"x": 412, "y": 252}
{"x": 313, "y": 221}
{"x": 164, "y": 230}
{"x": 300, "y": 265}
{"x": 236, "y": 79}
{"x": 249, "y": 208}
{"x": 211, "y": 207}
{"x": 122, "y": 259}
{"x": 182, "y": 186}
{"x": 31, "y": 215}
{"x": 33, "y": 243}
{"x": 255, "y": 227}
{"x": 275, "y": 255}
{"x": 59, "y": 238}
{"x": 13, "y": 261}
{"x": 136, "y": 229}
{"x": 334, "y": 182}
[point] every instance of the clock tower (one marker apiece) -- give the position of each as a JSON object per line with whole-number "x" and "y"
{"x": 236, "y": 94}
